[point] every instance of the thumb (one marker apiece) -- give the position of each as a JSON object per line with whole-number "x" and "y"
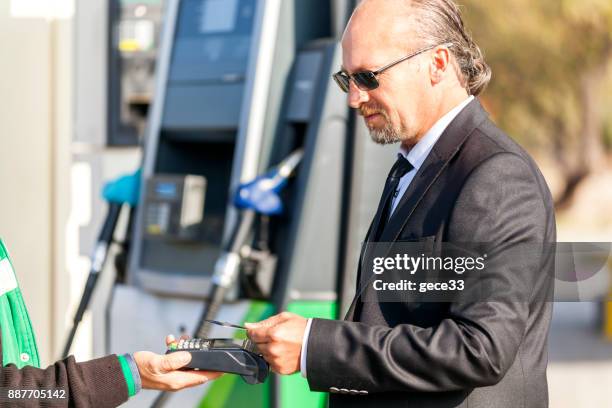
{"x": 174, "y": 361}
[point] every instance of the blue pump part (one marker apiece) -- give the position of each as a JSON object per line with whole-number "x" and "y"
{"x": 123, "y": 190}
{"x": 263, "y": 194}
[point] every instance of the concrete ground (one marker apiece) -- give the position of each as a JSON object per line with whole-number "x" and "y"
{"x": 580, "y": 359}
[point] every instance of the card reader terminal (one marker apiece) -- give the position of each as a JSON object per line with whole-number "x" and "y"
{"x": 234, "y": 356}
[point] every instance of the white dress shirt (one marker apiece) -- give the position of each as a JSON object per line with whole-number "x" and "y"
{"x": 416, "y": 156}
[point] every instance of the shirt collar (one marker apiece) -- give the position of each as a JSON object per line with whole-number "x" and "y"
{"x": 419, "y": 152}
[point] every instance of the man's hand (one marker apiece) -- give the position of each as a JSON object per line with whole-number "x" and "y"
{"x": 161, "y": 372}
{"x": 279, "y": 339}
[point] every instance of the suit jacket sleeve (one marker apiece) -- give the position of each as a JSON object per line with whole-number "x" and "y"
{"x": 501, "y": 203}
{"x": 94, "y": 383}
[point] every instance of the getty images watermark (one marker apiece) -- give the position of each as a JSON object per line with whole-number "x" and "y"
{"x": 429, "y": 271}
{"x": 410, "y": 265}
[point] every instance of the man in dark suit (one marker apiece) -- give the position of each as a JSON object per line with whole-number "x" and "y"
{"x": 413, "y": 72}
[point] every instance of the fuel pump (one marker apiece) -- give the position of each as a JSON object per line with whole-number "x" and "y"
{"x": 117, "y": 193}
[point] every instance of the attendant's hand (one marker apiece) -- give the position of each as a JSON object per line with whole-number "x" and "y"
{"x": 279, "y": 339}
{"x": 162, "y": 372}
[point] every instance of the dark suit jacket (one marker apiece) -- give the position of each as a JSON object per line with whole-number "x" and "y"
{"x": 476, "y": 185}
{"x": 95, "y": 383}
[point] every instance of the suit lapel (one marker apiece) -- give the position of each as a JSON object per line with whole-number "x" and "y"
{"x": 350, "y": 314}
{"x": 374, "y": 227}
{"x": 445, "y": 148}
{"x": 351, "y": 310}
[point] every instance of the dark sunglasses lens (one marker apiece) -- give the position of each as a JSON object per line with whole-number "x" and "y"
{"x": 366, "y": 81}
{"x": 342, "y": 80}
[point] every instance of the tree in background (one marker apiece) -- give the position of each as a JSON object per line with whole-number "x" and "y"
{"x": 551, "y": 77}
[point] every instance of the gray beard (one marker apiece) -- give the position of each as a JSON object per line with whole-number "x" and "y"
{"x": 386, "y": 135}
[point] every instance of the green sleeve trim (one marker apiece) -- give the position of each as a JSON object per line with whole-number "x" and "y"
{"x": 127, "y": 374}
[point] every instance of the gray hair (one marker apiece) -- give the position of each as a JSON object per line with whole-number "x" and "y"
{"x": 439, "y": 22}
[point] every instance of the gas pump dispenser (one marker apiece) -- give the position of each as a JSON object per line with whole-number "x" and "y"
{"x": 214, "y": 123}
{"x": 220, "y": 84}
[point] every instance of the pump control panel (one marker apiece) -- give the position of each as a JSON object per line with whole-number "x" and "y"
{"x": 174, "y": 206}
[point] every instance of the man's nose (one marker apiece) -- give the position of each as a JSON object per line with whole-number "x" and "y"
{"x": 356, "y": 97}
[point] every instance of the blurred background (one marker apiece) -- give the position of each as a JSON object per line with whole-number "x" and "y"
{"x": 552, "y": 90}
{"x": 193, "y": 92}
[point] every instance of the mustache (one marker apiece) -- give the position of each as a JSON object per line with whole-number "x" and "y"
{"x": 371, "y": 110}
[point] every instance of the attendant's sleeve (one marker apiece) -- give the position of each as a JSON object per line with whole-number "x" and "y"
{"x": 102, "y": 382}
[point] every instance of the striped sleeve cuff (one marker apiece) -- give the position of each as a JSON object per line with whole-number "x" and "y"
{"x": 130, "y": 373}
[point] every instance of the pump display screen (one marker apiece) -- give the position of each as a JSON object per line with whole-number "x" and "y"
{"x": 212, "y": 39}
{"x": 218, "y": 16}
{"x": 166, "y": 190}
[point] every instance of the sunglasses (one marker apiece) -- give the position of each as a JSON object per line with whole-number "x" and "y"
{"x": 368, "y": 80}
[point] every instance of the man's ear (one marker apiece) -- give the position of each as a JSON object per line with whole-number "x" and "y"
{"x": 440, "y": 62}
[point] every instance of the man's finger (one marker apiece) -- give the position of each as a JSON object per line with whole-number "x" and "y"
{"x": 264, "y": 349}
{"x": 174, "y": 361}
{"x": 269, "y": 322}
{"x": 259, "y": 334}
